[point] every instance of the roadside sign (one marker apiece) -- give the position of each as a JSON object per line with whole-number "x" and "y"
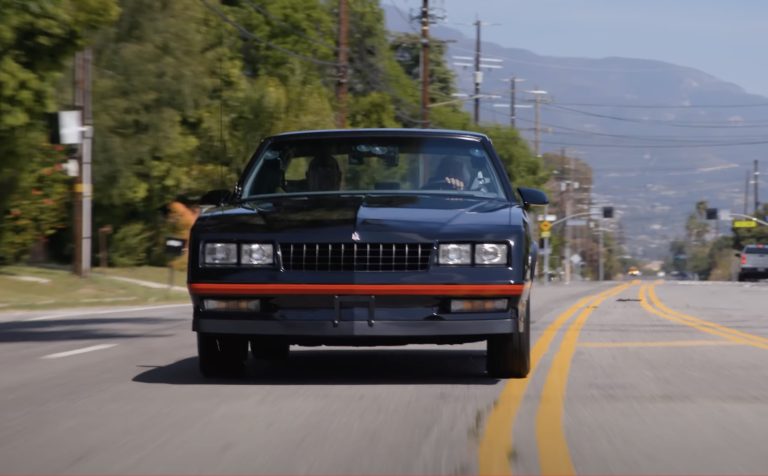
{"x": 545, "y": 226}
{"x": 744, "y": 224}
{"x": 546, "y": 234}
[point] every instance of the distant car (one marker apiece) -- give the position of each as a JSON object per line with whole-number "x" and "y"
{"x": 633, "y": 271}
{"x": 362, "y": 238}
{"x": 754, "y": 262}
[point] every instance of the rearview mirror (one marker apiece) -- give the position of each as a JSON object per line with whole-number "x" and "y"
{"x": 532, "y": 196}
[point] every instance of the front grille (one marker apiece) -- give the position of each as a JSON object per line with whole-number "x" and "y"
{"x": 355, "y": 256}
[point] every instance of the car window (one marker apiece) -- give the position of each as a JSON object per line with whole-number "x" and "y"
{"x": 371, "y": 164}
{"x": 756, "y": 251}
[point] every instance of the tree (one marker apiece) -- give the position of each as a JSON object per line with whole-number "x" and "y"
{"x": 39, "y": 207}
{"x": 36, "y": 41}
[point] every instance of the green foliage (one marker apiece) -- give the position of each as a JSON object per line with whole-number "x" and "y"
{"x": 36, "y": 38}
{"x": 522, "y": 167}
{"x": 38, "y": 206}
{"x": 373, "y": 110}
{"x": 183, "y": 92}
{"x": 131, "y": 245}
{"x": 36, "y": 41}
{"x": 710, "y": 258}
{"x": 750, "y": 236}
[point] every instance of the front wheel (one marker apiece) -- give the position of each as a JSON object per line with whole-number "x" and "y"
{"x": 509, "y": 355}
{"x": 221, "y": 356}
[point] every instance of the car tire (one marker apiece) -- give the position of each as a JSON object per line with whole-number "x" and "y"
{"x": 741, "y": 278}
{"x": 509, "y": 355}
{"x": 221, "y": 356}
{"x": 269, "y": 349}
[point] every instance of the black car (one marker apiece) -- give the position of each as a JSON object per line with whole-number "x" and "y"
{"x": 361, "y": 238}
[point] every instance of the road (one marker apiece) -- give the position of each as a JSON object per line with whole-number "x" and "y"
{"x": 638, "y": 377}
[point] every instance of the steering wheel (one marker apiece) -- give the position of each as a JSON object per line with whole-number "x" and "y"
{"x": 441, "y": 184}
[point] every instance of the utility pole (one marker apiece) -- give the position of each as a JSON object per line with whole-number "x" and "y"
{"x": 568, "y": 212}
{"x": 343, "y": 67}
{"x": 478, "y": 73}
{"x": 746, "y": 194}
{"x": 756, "y": 175}
{"x": 538, "y": 99}
{"x": 512, "y": 99}
{"x": 83, "y": 185}
{"x": 425, "y": 64}
{"x": 601, "y": 265}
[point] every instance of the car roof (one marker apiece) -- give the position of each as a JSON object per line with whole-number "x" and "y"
{"x": 392, "y": 132}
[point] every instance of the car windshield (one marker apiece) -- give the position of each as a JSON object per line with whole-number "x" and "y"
{"x": 373, "y": 164}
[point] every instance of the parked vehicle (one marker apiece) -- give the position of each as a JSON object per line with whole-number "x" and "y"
{"x": 754, "y": 262}
{"x": 366, "y": 237}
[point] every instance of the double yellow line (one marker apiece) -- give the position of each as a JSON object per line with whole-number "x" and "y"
{"x": 496, "y": 444}
{"x": 554, "y": 457}
{"x": 651, "y": 303}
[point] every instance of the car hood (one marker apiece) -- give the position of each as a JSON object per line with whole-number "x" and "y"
{"x": 367, "y": 218}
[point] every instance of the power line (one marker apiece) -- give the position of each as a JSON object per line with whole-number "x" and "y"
{"x": 557, "y": 128}
{"x": 694, "y": 125}
{"x": 656, "y": 146}
{"x": 666, "y": 68}
{"x": 403, "y": 17}
{"x": 665, "y": 106}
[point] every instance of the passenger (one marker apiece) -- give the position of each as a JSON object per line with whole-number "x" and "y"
{"x": 323, "y": 174}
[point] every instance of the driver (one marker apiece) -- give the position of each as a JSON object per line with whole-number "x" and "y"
{"x": 323, "y": 174}
{"x": 452, "y": 171}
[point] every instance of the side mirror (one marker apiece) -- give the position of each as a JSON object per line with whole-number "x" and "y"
{"x": 532, "y": 196}
{"x": 215, "y": 197}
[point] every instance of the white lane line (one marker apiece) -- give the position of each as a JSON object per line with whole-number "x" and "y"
{"x": 78, "y": 351}
{"x": 113, "y": 311}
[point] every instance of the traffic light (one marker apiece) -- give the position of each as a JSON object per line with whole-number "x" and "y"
{"x": 711, "y": 213}
{"x": 607, "y": 212}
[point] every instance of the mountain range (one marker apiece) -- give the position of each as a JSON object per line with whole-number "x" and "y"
{"x": 659, "y": 137}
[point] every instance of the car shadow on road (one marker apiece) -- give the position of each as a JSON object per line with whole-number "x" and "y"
{"x": 341, "y": 367}
{"x": 79, "y": 329}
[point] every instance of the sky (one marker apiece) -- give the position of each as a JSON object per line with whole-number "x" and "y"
{"x": 725, "y": 38}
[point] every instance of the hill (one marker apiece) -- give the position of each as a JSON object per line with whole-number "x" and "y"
{"x": 659, "y": 136}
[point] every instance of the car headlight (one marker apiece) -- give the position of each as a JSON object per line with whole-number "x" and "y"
{"x": 490, "y": 254}
{"x": 220, "y": 253}
{"x": 257, "y": 254}
{"x": 455, "y": 254}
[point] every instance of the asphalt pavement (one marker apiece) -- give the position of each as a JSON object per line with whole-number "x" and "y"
{"x": 635, "y": 377}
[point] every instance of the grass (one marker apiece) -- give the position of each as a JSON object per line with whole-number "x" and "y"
{"x": 26, "y": 287}
{"x": 147, "y": 273}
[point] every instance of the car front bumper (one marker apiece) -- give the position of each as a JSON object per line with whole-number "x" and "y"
{"x": 414, "y": 313}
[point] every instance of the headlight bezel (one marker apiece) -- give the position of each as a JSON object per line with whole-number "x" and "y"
{"x": 268, "y": 249}
{"x": 501, "y": 252}
{"x": 270, "y": 261}
{"x": 474, "y": 252}
{"x": 219, "y": 245}
{"x": 445, "y": 249}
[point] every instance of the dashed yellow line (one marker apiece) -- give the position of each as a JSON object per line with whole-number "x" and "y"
{"x": 554, "y": 455}
{"x": 496, "y": 441}
{"x": 651, "y": 303}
